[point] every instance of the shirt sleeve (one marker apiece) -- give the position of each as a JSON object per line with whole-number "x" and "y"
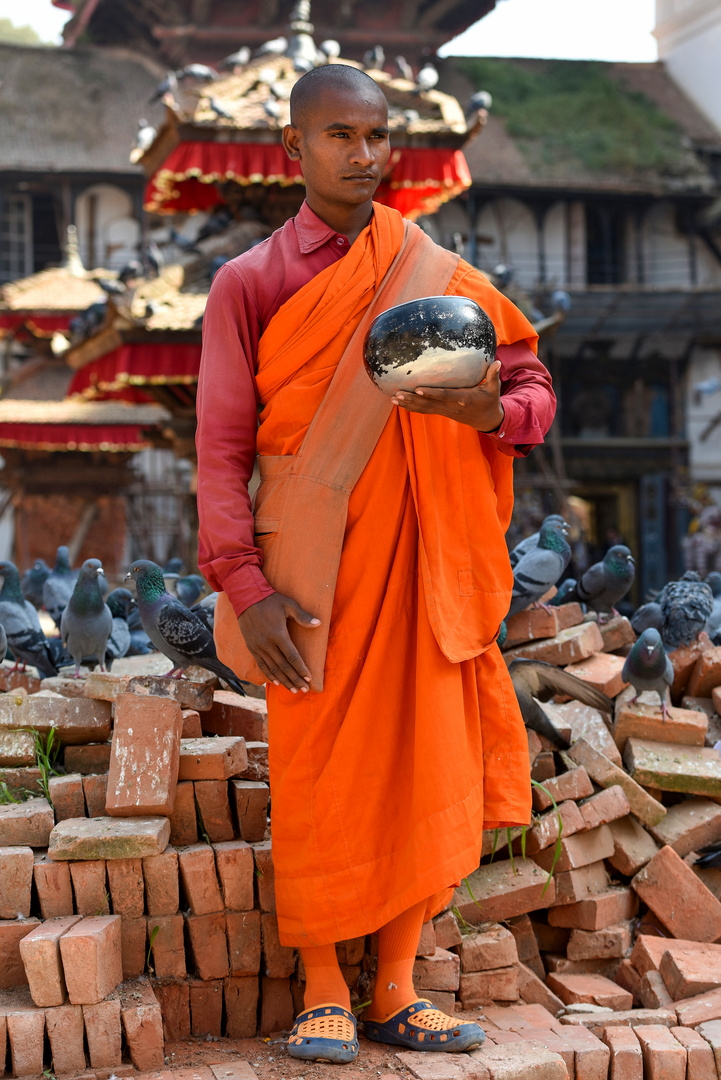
{"x": 226, "y": 443}
{"x": 528, "y": 400}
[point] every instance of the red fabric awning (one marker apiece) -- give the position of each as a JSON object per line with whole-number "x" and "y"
{"x": 418, "y": 179}
{"x": 110, "y": 437}
{"x": 122, "y": 372}
{"x": 10, "y": 320}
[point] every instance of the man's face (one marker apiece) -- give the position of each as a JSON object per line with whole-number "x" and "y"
{"x": 342, "y": 144}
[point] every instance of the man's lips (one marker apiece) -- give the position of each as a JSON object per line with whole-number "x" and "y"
{"x": 360, "y": 176}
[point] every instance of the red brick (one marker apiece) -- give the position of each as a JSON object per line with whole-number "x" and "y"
{"x": 200, "y": 884}
{"x": 133, "y": 946}
{"x": 206, "y": 1007}
{"x": 693, "y": 1011}
{"x": 11, "y": 680}
{"x": 606, "y": 774}
{"x": 54, "y": 889}
{"x": 257, "y": 762}
{"x": 89, "y": 887}
{"x": 545, "y": 831}
{"x": 526, "y": 944}
{"x": 706, "y": 673}
{"x": 95, "y": 790}
{"x": 480, "y": 987}
{"x": 278, "y": 960}
{"x": 585, "y": 723}
{"x": 208, "y": 945}
{"x": 66, "y": 1033}
{"x": 649, "y": 949}
{"x": 244, "y": 942}
{"x": 143, "y": 1026}
{"x": 640, "y": 721}
{"x": 168, "y": 947}
{"x": 160, "y": 873}
{"x": 514, "y": 1062}
{"x": 601, "y": 671}
{"x": 569, "y": 615}
{"x": 533, "y": 624}
{"x": 86, "y": 760}
{"x": 353, "y": 951}
{"x": 676, "y": 896}
{"x": 241, "y": 1007}
{"x": 534, "y": 991}
{"x": 188, "y": 694}
{"x": 568, "y": 646}
{"x": 40, "y": 952}
{"x": 12, "y": 971}
{"x": 534, "y": 745}
{"x": 596, "y": 1022}
{"x": 250, "y": 798}
{"x": 265, "y": 875}
{"x": 447, "y": 931}
{"x": 629, "y": 979}
{"x": 633, "y": 847}
{"x": 25, "y": 1030}
{"x": 66, "y": 793}
{"x": 232, "y": 714}
{"x": 607, "y": 806}
{"x": 427, "y": 942}
{"x": 494, "y": 947}
{"x": 501, "y": 893}
{"x": 26, "y": 824}
{"x": 684, "y": 660}
{"x": 101, "y": 685}
{"x": 653, "y": 993}
{"x": 125, "y": 878}
{"x": 74, "y": 720}
{"x": 550, "y": 938}
{"x": 276, "y": 1010}
{"x": 664, "y": 1058}
{"x": 689, "y": 825}
{"x": 17, "y": 747}
{"x": 605, "y": 944}
{"x": 211, "y": 797}
{"x": 235, "y": 866}
{"x": 689, "y": 974}
{"x": 145, "y": 752}
{"x": 626, "y": 1054}
{"x": 711, "y": 1031}
{"x": 716, "y": 699}
{"x": 102, "y": 1030}
{"x": 92, "y": 961}
{"x": 616, "y": 633}
{"x": 589, "y": 989}
{"x": 577, "y": 851}
{"x": 174, "y": 998}
{"x": 438, "y": 972}
{"x": 543, "y": 768}
{"x": 573, "y": 784}
{"x": 191, "y": 725}
{"x": 217, "y": 758}
{"x": 16, "y": 876}
{"x": 700, "y": 1059}
{"x": 574, "y": 886}
{"x": 605, "y": 909}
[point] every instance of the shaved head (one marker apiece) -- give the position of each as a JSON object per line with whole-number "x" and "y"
{"x": 322, "y": 83}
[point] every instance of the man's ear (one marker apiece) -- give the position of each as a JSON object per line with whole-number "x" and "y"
{"x": 291, "y": 142}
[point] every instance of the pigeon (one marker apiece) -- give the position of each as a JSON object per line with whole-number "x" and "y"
{"x": 219, "y": 110}
{"x": 648, "y": 668}
{"x": 59, "y": 585}
{"x": 607, "y": 582}
{"x": 196, "y": 73}
{"x": 21, "y": 624}
{"x": 275, "y": 47}
{"x": 205, "y": 610}
{"x": 647, "y": 616}
{"x": 174, "y": 629}
{"x": 404, "y": 69}
{"x": 87, "y": 624}
{"x": 33, "y": 580}
{"x": 235, "y": 60}
{"x": 374, "y": 58}
{"x": 481, "y": 100}
{"x": 713, "y": 623}
{"x": 272, "y": 109}
{"x": 3, "y": 643}
{"x": 330, "y": 48}
{"x": 541, "y": 567}
{"x": 685, "y": 608}
{"x": 153, "y": 258}
{"x": 536, "y": 681}
{"x": 189, "y": 589}
{"x": 119, "y": 603}
{"x": 145, "y": 137}
{"x": 566, "y": 593}
{"x": 710, "y": 855}
{"x": 426, "y": 78}
{"x": 168, "y": 86}
{"x": 173, "y": 566}
{"x": 531, "y": 542}
{"x": 182, "y": 242}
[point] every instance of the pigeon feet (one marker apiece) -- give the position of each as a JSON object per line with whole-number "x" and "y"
{"x": 176, "y": 673}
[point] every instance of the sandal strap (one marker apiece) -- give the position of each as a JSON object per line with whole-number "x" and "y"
{"x": 322, "y": 1011}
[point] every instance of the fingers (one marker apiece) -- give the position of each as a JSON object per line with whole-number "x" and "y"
{"x": 303, "y": 618}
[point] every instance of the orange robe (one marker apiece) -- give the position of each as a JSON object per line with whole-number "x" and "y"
{"x": 383, "y": 783}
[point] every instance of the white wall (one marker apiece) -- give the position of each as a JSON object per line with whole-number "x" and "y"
{"x": 689, "y": 42}
{"x": 507, "y": 234}
{"x": 108, "y": 233}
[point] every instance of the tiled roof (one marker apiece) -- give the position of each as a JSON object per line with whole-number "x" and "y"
{"x": 73, "y": 110}
{"x": 57, "y": 289}
{"x": 172, "y": 309}
{"x": 77, "y": 411}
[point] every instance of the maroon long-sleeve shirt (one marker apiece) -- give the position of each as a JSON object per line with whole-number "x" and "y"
{"x": 245, "y": 295}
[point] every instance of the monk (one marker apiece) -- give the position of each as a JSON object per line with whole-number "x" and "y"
{"x": 395, "y": 736}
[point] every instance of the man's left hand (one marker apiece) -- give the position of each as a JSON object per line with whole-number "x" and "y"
{"x": 479, "y": 406}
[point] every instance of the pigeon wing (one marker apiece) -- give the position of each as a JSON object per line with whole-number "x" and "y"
{"x": 545, "y": 681}
{"x": 592, "y": 583}
{"x": 184, "y": 631}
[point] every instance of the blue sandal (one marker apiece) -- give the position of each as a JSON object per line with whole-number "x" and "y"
{"x": 325, "y": 1033}
{"x": 421, "y": 1026}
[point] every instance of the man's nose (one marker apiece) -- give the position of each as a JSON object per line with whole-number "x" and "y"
{"x": 362, "y": 153}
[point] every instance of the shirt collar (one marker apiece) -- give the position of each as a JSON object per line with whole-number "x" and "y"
{"x": 312, "y": 233}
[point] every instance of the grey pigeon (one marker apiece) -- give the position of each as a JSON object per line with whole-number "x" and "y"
{"x": 713, "y": 623}
{"x": 3, "y": 643}
{"x": 205, "y": 609}
{"x": 648, "y": 668}
{"x": 119, "y": 602}
{"x": 86, "y": 624}
{"x": 173, "y": 566}
{"x": 536, "y": 681}
{"x": 531, "y": 542}
{"x": 607, "y": 582}
{"x": 710, "y": 855}
{"x": 541, "y": 567}
{"x": 175, "y": 631}
{"x": 32, "y": 582}
{"x": 647, "y": 616}
{"x": 685, "y": 608}
{"x": 566, "y": 593}
{"x": 59, "y": 586}
{"x": 189, "y": 589}
{"x": 22, "y": 625}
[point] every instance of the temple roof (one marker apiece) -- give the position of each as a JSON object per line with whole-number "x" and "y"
{"x": 57, "y": 289}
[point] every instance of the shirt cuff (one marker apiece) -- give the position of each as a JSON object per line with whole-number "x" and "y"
{"x": 246, "y": 586}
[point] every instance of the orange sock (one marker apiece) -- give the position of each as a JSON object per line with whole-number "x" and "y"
{"x": 397, "y": 945}
{"x": 324, "y": 983}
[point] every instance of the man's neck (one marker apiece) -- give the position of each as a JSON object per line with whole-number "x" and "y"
{"x": 348, "y": 220}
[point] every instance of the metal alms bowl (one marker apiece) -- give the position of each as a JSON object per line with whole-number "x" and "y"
{"x": 445, "y": 341}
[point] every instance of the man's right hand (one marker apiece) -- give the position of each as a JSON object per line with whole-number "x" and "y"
{"x": 265, "y": 628}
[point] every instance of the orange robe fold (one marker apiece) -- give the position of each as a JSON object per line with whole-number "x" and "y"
{"x": 383, "y": 783}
